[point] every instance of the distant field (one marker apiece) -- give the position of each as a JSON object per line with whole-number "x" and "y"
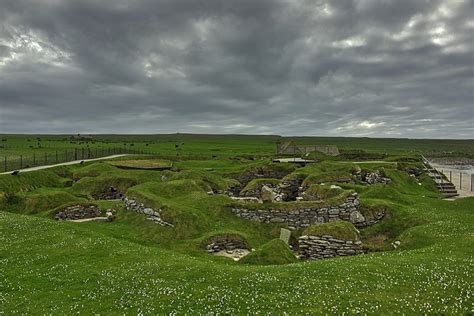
{"x": 188, "y": 145}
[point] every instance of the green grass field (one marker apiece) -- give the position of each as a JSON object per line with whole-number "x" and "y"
{"x": 196, "y": 146}
{"x": 133, "y": 266}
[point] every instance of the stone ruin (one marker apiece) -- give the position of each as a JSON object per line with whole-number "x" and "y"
{"x": 258, "y": 173}
{"x": 151, "y": 214}
{"x": 305, "y": 216}
{"x": 81, "y": 212}
{"x": 371, "y": 177}
{"x": 326, "y": 246}
{"x": 111, "y": 193}
{"x": 228, "y": 246}
{"x": 76, "y": 212}
{"x": 412, "y": 171}
{"x": 287, "y": 190}
{"x": 259, "y": 190}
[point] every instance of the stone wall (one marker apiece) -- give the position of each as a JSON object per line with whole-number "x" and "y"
{"x": 304, "y": 217}
{"x": 151, "y": 214}
{"x": 371, "y": 177}
{"x": 78, "y": 212}
{"x": 227, "y": 244}
{"x": 326, "y": 246}
{"x": 291, "y": 188}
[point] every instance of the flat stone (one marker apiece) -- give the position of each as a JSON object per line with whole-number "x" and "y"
{"x": 276, "y": 220}
{"x": 285, "y": 235}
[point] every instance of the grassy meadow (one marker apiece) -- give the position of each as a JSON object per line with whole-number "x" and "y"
{"x": 133, "y": 266}
{"x": 195, "y": 146}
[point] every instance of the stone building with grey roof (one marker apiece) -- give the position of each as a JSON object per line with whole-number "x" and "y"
{"x": 291, "y": 148}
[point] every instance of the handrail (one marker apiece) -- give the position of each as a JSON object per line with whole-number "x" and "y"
{"x": 428, "y": 166}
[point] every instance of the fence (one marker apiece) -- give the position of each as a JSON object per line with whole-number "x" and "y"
{"x": 463, "y": 180}
{"x": 10, "y": 163}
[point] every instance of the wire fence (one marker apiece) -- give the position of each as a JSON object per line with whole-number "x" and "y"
{"x": 11, "y": 163}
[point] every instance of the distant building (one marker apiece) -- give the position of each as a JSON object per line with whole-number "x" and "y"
{"x": 291, "y": 148}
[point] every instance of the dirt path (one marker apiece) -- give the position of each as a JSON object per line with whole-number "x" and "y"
{"x": 65, "y": 163}
{"x": 370, "y": 161}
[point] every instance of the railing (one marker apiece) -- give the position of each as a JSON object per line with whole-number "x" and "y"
{"x": 11, "y": 163}
{"x": 462, "y": 181}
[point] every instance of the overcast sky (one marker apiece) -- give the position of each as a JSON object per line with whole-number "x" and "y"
{"x": 401, "y": 68}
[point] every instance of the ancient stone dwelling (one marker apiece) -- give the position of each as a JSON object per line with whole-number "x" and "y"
{"x": 291, "y": 148}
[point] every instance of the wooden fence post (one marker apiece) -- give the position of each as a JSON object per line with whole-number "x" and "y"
{"x": 21, "y": 161}
{"x": 460, "y": 180}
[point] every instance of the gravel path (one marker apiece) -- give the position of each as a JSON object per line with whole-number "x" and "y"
{"x": 65, "y": 163}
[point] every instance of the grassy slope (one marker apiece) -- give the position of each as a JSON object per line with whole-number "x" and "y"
{"x": 53, "y": 267}
{"x": 273, "y": 252}
{"x": 132, "y": 265}
{"x": 339, "y": 230}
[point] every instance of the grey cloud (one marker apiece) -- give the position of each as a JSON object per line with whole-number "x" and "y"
{"x": 369, "y": 68}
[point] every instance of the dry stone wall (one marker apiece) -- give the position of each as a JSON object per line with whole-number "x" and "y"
{"x": 290, "y": 189}
{"x": 326, "y": 246}
{"x": 78, "y": 212}
{"x": 151, "y": 214}
{"x": 304, "y": 217}
{"x": 227, "y": 244}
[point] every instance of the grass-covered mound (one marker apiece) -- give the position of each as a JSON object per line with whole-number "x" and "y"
{"x": 149, "y": 164}
{"x": 320, "y": 192}
{"x": 209, "y": 180}
{"x": 273, "y": 252}
{"x": 100, "y": 184}
{"x": 28, "y": 181}
{"x": 44, "y": 200}
{"x": 339, "y": 230}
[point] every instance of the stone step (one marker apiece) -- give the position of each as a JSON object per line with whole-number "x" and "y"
{"x": 449, "y": 191}
{"x": 446, "y": 186}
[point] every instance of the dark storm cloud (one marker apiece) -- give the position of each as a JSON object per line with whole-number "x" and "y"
{"x": 399, "y": 68}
